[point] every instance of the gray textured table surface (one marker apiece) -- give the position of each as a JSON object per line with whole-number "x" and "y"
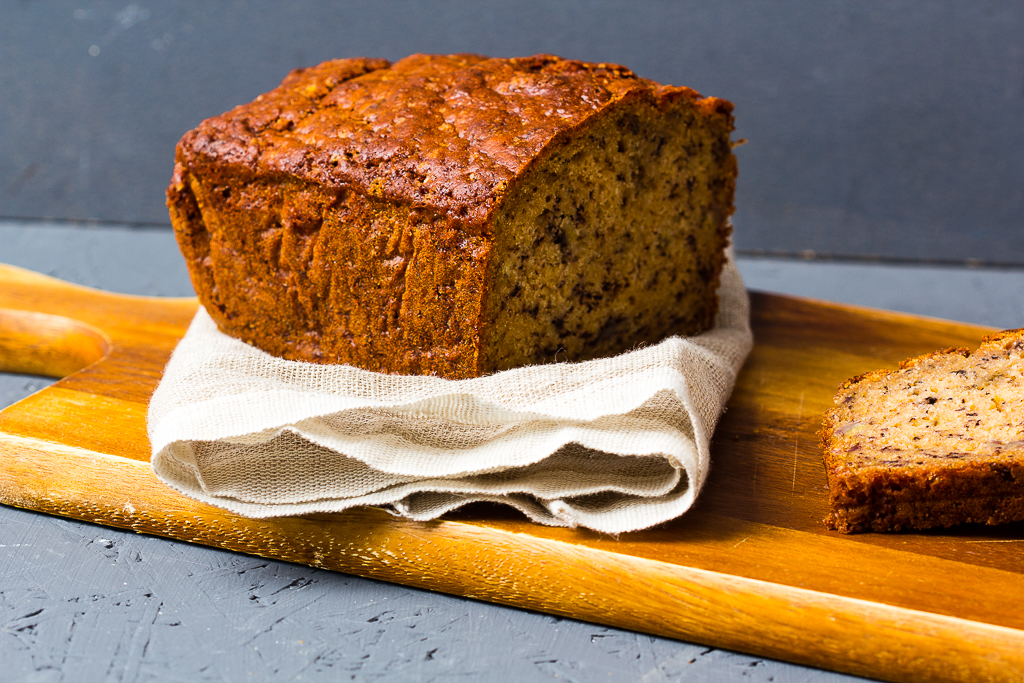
{"x": 81, "y": 602}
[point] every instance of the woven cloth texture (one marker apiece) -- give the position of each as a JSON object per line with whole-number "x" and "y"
{"x": 615, "y": 444}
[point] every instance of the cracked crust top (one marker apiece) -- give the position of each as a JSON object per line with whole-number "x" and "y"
{"x": 448, "y": 132}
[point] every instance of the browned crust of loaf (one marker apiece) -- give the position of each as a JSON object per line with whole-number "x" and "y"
{"x": 445, "y": 137}
{"x": 995, "y": 338}
{"x": 895, "y": 498}
{"x": 387, "y": 129}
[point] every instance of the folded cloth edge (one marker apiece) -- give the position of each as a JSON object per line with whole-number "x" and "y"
{"x": 735, "y": 337}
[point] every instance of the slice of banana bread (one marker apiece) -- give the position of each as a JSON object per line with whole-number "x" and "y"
{"x": 457, "y": 215}
{"x": 936, "y": 443}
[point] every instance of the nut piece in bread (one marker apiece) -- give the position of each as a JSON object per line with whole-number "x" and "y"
{"x": 458, "y": 215}
{"x": 936, "y": 443}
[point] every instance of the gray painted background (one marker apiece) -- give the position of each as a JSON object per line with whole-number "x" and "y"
{"x": 890, "y": 128}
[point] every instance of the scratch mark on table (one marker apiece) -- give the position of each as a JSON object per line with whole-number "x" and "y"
{"x": 796, "y": 446}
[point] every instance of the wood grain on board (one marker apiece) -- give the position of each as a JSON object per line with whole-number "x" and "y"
{"x": 751, "y": 568}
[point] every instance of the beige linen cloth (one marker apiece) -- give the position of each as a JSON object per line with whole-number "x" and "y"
{"x": 615, "y": 445}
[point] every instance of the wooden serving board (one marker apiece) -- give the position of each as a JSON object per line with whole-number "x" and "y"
{"x": 751, "y": 568}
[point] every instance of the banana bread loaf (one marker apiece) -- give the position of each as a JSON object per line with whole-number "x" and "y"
{"x": 457, "y": 215}
{"x": 936, "y": 443}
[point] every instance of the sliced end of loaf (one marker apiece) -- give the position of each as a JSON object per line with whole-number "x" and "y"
{"x": 613, "y": 240}
{"x": 936, "y": 443}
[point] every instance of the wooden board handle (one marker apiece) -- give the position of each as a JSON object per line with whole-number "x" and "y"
{"x": 54, "y": 328}
{"x": 49, "y": 345}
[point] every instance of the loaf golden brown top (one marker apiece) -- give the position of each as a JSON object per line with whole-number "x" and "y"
{"x": 445, "y": 131}
{"x": 458, "y": 215}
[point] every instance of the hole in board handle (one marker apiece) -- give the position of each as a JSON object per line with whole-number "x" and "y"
{"x": 48, "y": 345}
